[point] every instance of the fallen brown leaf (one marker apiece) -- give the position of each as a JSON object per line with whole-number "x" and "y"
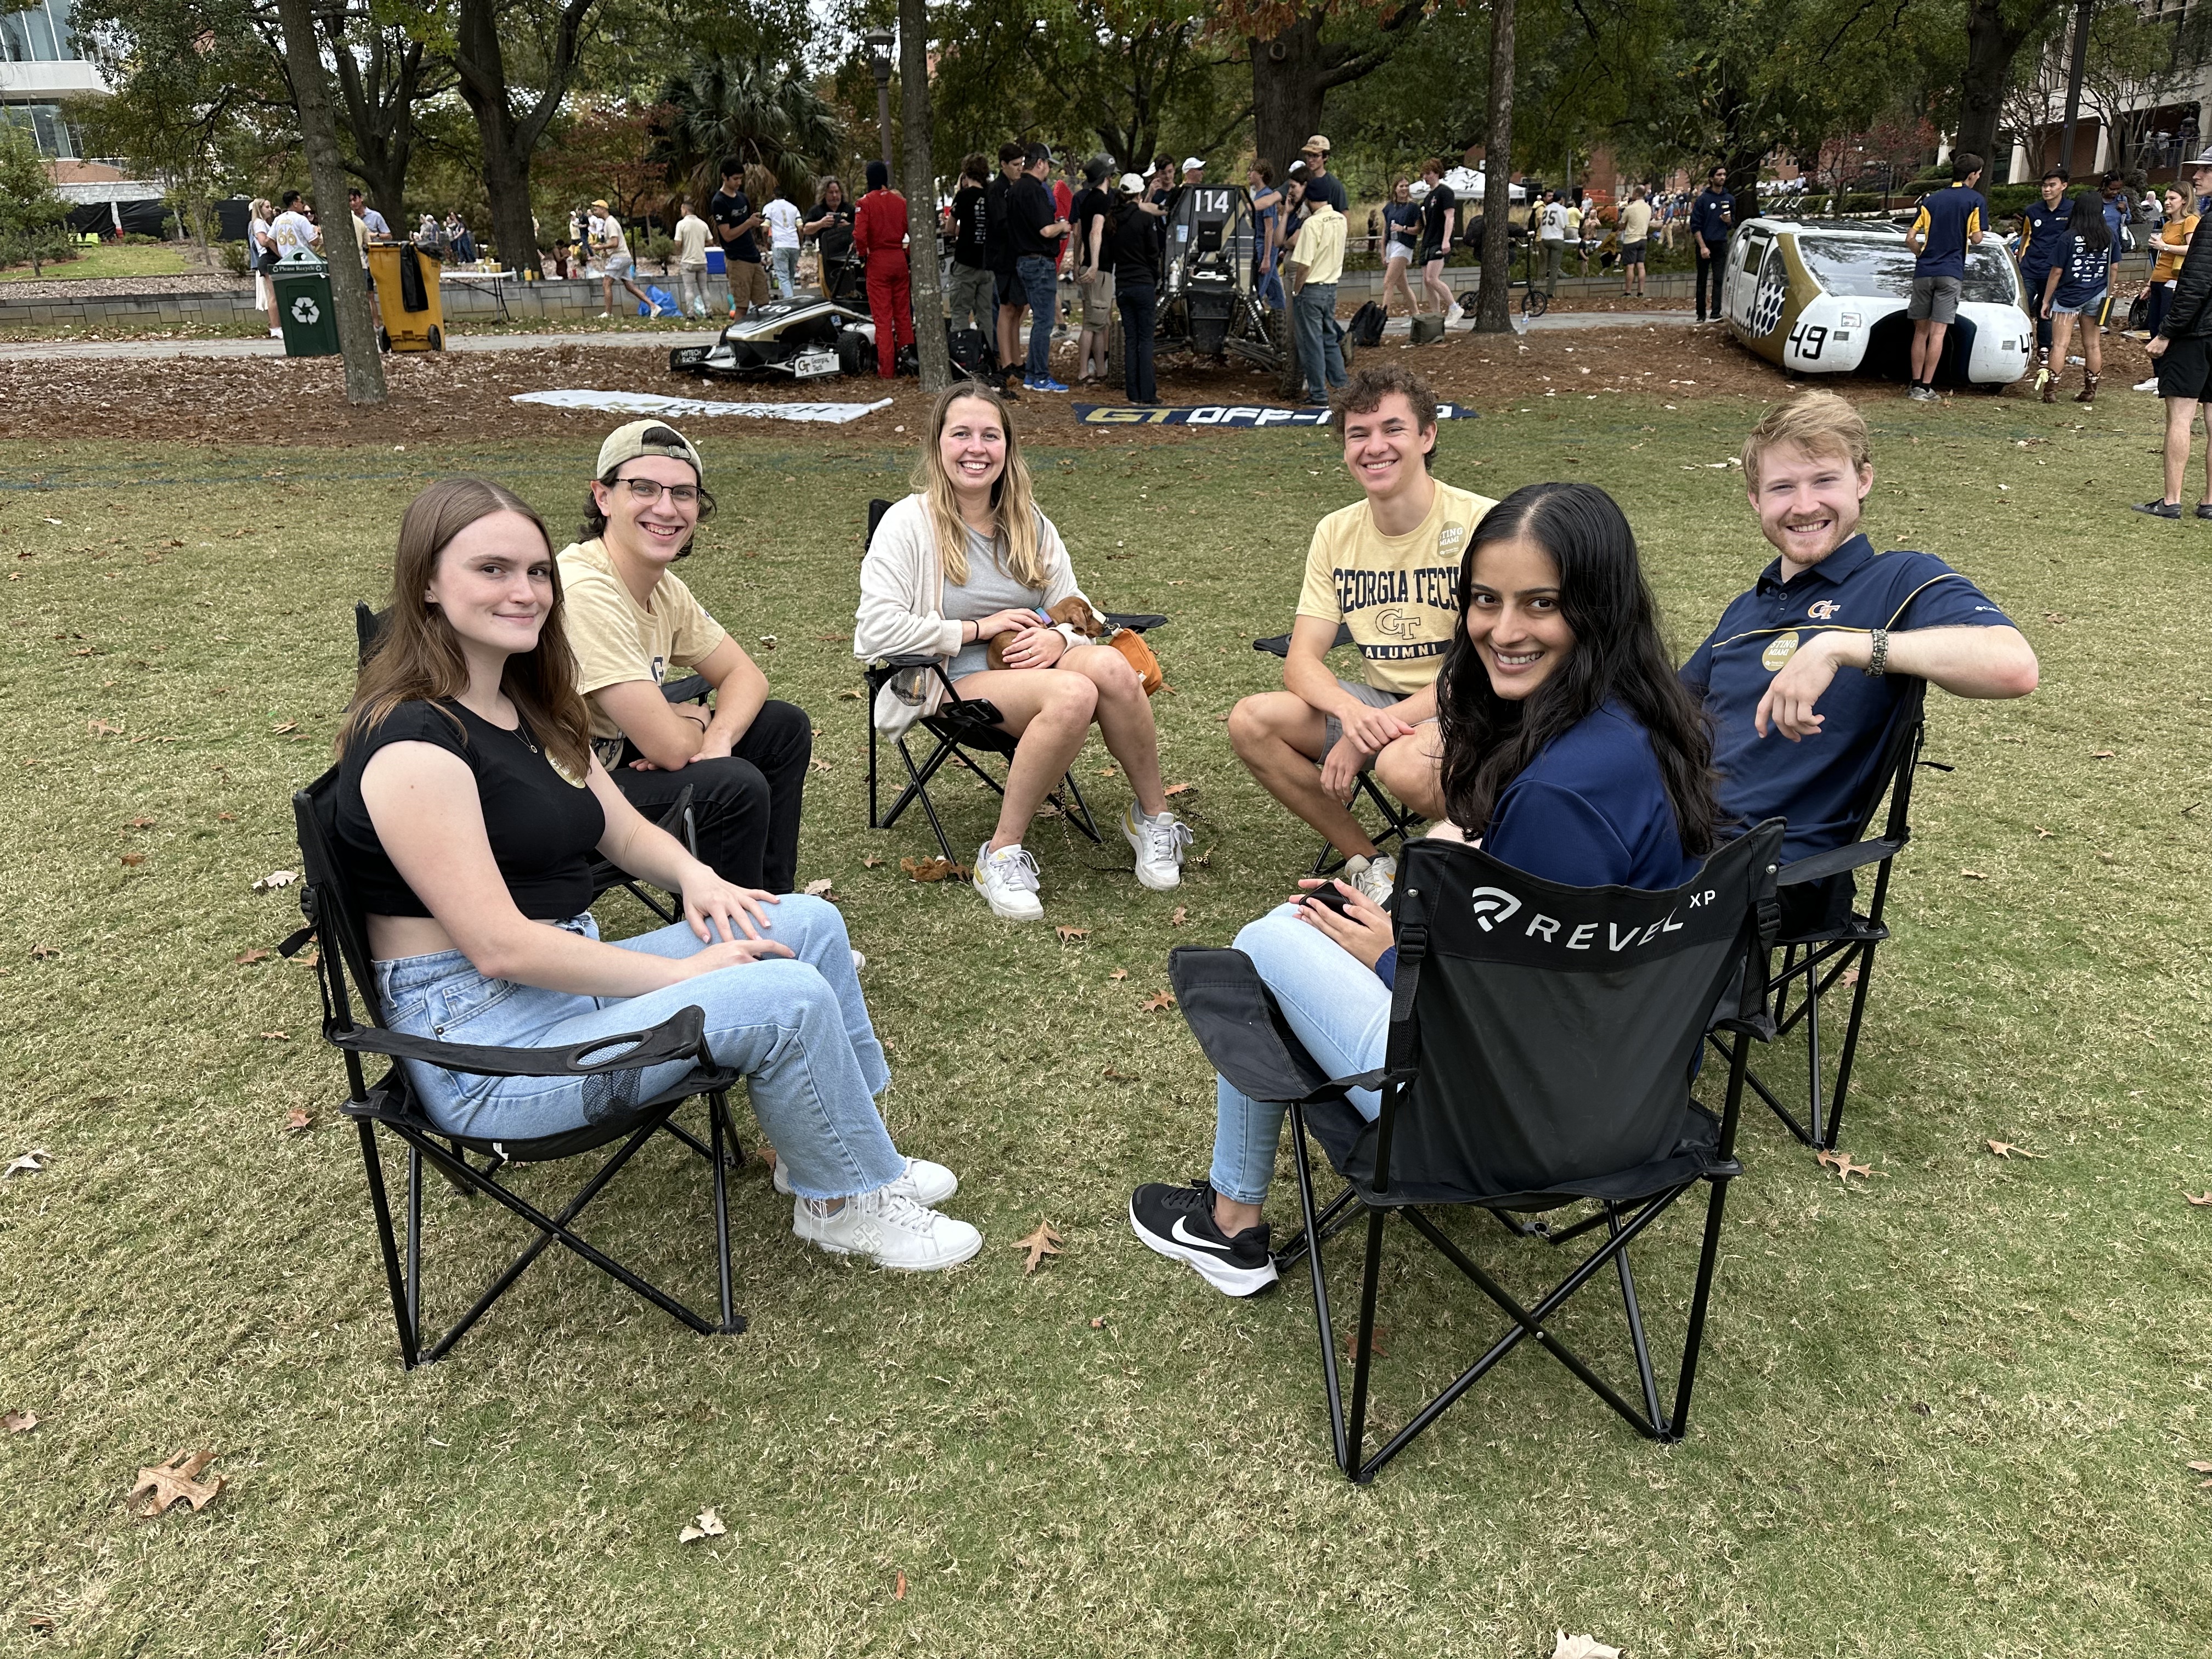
{"x": 226, "y": 817}
{"x": 1973, "y": 875}
{"x": 283, "y": 727}
{"x": 19, "y": 1422}
{"x": 1181, "y": 915}
{"x": 30, "y": 1163}
{"x": 1174, "y": 789}
{"x": 132, "y": 861}
{"x": 1044, "y": 1242}
{"x": 104, "y": 728}
{"x": 1099, "y": 1323}
{"x": 1378, "y": 1341}
{"x": 2100, "y": 754}
{"x": 297, "y": 1122}
{"x": 247, "y": 958}
{"x": 44, "y": 953}
{"x": 2041, "y": 834}
{"x": 2203, "y": 1468}
{"x": 870, "y": 862}
{"x": 1119, "y": 973}
{"x": 139, "y": 823}
{"x": 819, "y": 888}
{"x": 2193, "y": 1198}
{"x": 1072, "y": 935}
{"x": 176, "y": 1480}
{"x": 1159, "y": 1002}
{"x": 819, "y": 764}
{"x": 852, "y": 696}
{"x": 2006, "y": 1149}
{"x": 705, "y": 1524}
{"x": 1112, "y": 1075}
{"x": 1842, "y": 1164}
{"x": 898, "y": 1589}
{"x": 275, "y": 879}
{"x": 933, "y": 869}
{"x": 276, "y": 1037}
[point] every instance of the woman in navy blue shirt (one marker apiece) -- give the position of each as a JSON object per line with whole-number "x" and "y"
{"x": 2080, "y": 279}
{"x": 1568, "y": 748}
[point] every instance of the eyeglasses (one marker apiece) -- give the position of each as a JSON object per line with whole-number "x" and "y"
{"x": 644, "y": 492}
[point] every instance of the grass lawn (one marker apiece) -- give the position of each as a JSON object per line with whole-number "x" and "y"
{"x": 1945, "y": 1411}
{"x": 106, "y": 260}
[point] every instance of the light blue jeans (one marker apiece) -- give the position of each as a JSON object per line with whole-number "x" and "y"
{"x": 797, "y": 1028}
{"x": 786, "y": 266}
{"x": 1339, "y": 1009}
{"x": 1315, "y": 329}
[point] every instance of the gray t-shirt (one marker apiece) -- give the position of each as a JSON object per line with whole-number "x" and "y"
{"x": 989, "y": 589}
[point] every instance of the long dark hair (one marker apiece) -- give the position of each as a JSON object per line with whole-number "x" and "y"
{"x": 419, "y": 656}
{"x": 1490, "y": 740}
{"x": 2087, "y": 221}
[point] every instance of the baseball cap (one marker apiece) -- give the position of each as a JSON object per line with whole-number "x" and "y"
{"x": 1314, "y": 145}
{"x": 1133, "y": 183}
{"x": 1190, "y": 161}
{"x": 642, "y": 438}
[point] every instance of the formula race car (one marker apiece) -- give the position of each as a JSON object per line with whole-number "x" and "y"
{"x": 1816, "y": 296}
{"x": 806, "y": 338}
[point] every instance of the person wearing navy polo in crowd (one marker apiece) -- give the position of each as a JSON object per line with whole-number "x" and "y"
{"x": 1949, "y": 223}
{"x": 1709, "y": 233}
{"x": 1795, "y": 735}
{"x": 1570, "y": 752}
{"x": 2042, "y": 228}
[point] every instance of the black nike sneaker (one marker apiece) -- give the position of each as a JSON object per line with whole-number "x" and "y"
{"x": 1178, "y": 1222}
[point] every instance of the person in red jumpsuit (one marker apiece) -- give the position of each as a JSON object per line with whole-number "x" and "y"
{"x": 879, "y": 233}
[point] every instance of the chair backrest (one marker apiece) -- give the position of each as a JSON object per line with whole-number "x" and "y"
{"x": 1901, "y": 754}
{"x": 877, "y": 509}
{"x": 368, "y": 629}
{"x": 1554, "y": 1027}
{"x": 328, "y": 900}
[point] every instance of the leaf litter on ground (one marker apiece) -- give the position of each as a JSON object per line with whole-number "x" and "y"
{"x": 705, "y": 1524}
{"x": 933, "y": 869}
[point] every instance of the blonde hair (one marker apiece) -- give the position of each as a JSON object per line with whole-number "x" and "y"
{"x": 1016, "y": 534}
{"x": 1818, "y": 422}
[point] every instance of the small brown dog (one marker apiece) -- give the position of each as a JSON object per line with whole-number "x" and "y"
{"x": 1071, "y": 611}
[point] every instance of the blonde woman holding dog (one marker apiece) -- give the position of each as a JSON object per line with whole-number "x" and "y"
{"x": 967, "y": 560}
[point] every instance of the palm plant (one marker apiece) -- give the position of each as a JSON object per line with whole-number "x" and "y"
{"x": 752, "y": 107}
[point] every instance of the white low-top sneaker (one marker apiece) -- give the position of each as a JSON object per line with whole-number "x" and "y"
{"x": 924, "y": 1182}
{"x": 1159, "y": 844}
{"x": 1007, "y": 879}
{"x": 891, "y": 1231}
{"x": 1374, "y": 877}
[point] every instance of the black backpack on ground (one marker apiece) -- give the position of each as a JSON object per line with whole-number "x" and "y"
{"x": 969, "y": 348}
{"x": 1366, "y": 325}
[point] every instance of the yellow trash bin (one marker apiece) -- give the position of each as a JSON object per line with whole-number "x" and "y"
{"x": 409, "y": 315}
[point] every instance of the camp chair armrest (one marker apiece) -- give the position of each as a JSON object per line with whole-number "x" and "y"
{"x": 692, "y": 688}
{"x": 682, "y": 1036}
{"x": 1837, "y": 859}
{"x": 1137, "y": 621}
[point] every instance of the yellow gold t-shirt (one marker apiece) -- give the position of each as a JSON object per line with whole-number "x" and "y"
{"x": 1398, "y": 594}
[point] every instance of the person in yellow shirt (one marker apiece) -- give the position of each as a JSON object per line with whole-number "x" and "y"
{"x": 1316, "y": 261}
{"x": 1387, "y": 568}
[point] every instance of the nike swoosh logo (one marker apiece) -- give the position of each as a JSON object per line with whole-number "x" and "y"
{"x": 1181, "y": 1234}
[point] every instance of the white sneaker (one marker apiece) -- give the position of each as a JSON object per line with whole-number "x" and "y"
{"x": 924, "y": 1182}
{"x": 275, "y": 333}
{"x": 1007, "y": 879}
{"x": 2151, "y": 385}
{"x": 859, "y": 962}
{"x": 1159, "y": 844}
{"x": 893, "y": 1231}
{"x": 604, "y": 315}
{"x": 1374, "y": 877}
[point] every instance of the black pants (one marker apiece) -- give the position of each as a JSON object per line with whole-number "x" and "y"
{"x": 2031, "y": 278}
{"x": 746, "y": 808}
{"x": 1139, "y": 312}
{"x": 1708, "y": 269}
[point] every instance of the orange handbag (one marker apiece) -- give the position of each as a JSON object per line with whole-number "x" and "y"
{"x": 1130, "y": 644}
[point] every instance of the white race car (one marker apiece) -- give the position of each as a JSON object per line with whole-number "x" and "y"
{"x": 1827, "y": 297}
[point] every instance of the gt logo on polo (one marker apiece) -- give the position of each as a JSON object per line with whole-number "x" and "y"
{"x": 1492, "y": 905}
{"x": 1780, "y": 650}
{"x": 1821, "y": 610}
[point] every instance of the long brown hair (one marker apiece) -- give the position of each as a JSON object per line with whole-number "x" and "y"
{"x": 418, "y": 658}
{"x": 1016, "y": 534}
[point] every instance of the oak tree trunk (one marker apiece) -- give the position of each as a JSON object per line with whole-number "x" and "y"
{"x": 318, "y": 135}
{"x": 921, "y": 199}
{"x": 1288, "y": 81}
{"x": 1492, "y": 313}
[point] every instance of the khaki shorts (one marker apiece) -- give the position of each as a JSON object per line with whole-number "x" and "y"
{"x": 1099, "y": 301}
{"x": 748, "y": 282}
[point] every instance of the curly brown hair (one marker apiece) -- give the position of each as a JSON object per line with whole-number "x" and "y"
{"x": 1363, "y": 394}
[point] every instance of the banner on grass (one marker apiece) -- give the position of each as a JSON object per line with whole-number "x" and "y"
{"x": 655, "y": 402}
{"x": 1226, "y": 415}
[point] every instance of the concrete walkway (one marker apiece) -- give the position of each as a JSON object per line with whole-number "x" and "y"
{"x": 144, "y": 350}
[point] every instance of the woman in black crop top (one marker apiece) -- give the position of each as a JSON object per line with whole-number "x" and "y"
{"x": 469, "y": 808}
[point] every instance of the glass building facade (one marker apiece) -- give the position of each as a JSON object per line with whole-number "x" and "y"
{"x": 43, "y": 33}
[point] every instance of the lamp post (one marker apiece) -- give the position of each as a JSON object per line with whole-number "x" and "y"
{"x": 879, "y": 42}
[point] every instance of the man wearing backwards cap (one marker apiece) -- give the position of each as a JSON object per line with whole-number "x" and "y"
{"x": 631, "y": 622}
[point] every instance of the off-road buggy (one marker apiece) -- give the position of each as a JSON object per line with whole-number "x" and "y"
{"x": 811, "y": 337}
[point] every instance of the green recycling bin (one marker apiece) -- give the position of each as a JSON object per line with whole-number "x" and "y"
{"x": 305, "y": 310}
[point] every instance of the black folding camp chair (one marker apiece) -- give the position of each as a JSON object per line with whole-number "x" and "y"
{"x": 677, "y": 820}
{"x": 343, "y": 972}
{"x": 1398, "y": 822}
{"x": 963, "y": 727}
{"x": 1541, "y": 1045}
{"x": 1826, "y": 940}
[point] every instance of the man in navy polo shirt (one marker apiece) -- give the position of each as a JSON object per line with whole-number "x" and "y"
{"x": 2042, "y": 229}
{"x": 1949, "y": 223}
{"x": 1709, "y": 232}
{"x": 1804, "y": 673}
